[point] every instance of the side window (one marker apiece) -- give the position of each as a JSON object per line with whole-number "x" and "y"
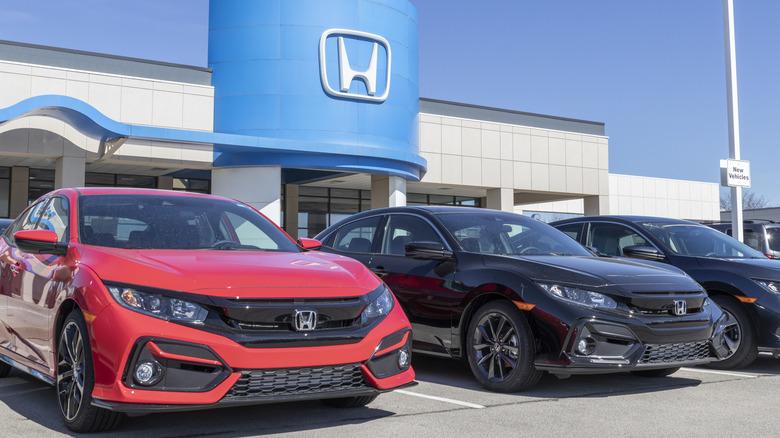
{"x": 357, "y": 236}
{"x": 27, "y": 220}
{"x": 402, "y": 229}
{"x": 571, "y": 230}
{"x": 610, "y": 239}
{"x": 54, "y": 217}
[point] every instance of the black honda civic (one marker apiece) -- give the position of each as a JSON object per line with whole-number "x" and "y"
{"x": 515, "y": 297}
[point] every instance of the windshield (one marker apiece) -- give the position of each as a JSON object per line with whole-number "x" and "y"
{"x": 142, "y": 221}
{"x": 699, "y": 241}
{"x": 495, "y": 232}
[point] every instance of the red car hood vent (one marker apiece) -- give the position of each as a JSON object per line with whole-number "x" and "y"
{"x": 235, "y": 274}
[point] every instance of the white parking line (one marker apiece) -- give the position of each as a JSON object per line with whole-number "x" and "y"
{"x": 442, "y": 399}
{"x": 723, "y": 373}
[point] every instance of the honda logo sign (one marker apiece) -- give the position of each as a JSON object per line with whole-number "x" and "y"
{"x": 346, "y": 73}
{"x": 305, "y": 320}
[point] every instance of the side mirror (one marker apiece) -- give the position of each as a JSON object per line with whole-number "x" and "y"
{"x": 39, "y": 242}
{"x": 427, "y": 250}
{"x": 643, "y": 252}
{"x": 308, "y": 244}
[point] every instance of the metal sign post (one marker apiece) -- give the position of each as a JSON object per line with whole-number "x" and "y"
{"x": 731, "y": 92}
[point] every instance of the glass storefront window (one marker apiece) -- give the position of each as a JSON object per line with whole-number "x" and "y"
{"x": 5, "y": 191}
{"x": 41, "y": 182}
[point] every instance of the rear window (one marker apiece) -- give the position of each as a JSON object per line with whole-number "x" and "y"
{"x": 773, "y": 237}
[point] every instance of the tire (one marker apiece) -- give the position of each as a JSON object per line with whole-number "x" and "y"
{"x": 663, "y": 372}
{"x": 500, "y": 348}
{"x": 76, "y": 378}
{"x": 4, "y": 369}
{"x": 740, "y": 335}
{"x": 349, "y": 402}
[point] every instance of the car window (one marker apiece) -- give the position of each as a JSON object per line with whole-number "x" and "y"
{"x": 54, "y": 217}
{"x": 610, "y": 239}
{"x": 773, "y": 237}
{"x": 699, "y": 241}
{"x": 495, "y": 232}
{"x": 176, "y": 222}
{"x": 357, "y": 236}
{"x": 571, "y": 230}
{"x": 27, "y": 220}
{"x": 402, "y": 229}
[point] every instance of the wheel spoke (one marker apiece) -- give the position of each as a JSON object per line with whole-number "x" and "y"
{"x": 485, "y": 334}
{"x": 485, "y": 358}
{"x": 511, "y": 364}
{"x": 498, "y": 365}
{"x": 512, "y": 350}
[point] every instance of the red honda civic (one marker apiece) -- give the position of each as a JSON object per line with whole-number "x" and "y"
{"x": 136, "y": 301}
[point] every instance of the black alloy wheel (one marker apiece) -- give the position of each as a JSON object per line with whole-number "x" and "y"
{"x": 739, "y": 335}
{"x": 349, "y": 402}
{"x": 500, "y": 348}
{"x": 76, "y": 378}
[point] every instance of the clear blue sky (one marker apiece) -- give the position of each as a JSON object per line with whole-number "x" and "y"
{"x": 653, "y": 72}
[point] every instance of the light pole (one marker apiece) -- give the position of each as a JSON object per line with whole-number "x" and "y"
{"x": 731, "y": 100}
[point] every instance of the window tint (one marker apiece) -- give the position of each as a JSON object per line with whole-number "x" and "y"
{"x": 404, "y": 228}
{"x": 176, "y": 222}
{"x": 571, "y": 230}
{"x": 610, "y": 239}
{"x": 54, "y": 217}
{"x": 357, "y": 236}
{"x": 773, "y": 236}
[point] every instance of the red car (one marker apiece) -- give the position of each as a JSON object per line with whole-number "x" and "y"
{"x": 135, "y": 301}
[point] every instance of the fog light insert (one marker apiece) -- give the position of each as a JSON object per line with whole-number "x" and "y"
{"x": 586, "y": 346}
{"x": 148, "y": 373}
{"x": 404, "y": 358}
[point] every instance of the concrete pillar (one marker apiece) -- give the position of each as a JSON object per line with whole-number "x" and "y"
{"x": 595, "y": 205}
{"x": 20, "y": 187}
{"x": 387, "y": 191}
{"x": 291, "y": 210}
{"x": 165, "y": 182}
{"x": 260, "y": 187}
{"x": 69, "y": 172}
{"x": 501, "y": 199}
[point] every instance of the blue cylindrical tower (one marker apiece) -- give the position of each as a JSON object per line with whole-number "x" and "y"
{"x": 341, "y": 73}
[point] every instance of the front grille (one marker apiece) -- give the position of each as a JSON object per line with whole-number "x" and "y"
{"x": 277, "y": 315}
{"x": 681, "y": 352}
{"x": 261, "y": 384}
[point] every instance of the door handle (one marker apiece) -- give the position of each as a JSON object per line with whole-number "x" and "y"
{"x": 380, "y": 271}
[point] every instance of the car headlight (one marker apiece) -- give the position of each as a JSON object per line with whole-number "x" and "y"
{"x": 770, "y": 285}
{"x": 579, "y": 296}
{"x": 381, "y": 304}
{"x": 159, "y": 306}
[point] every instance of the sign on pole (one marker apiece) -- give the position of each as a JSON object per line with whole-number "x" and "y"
{"x": 735, "y": 173}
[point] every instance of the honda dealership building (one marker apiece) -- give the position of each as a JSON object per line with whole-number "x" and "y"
{"x": 309, "y": 111}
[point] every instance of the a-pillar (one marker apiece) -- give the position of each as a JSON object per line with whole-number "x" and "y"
{"x": 291, "y": 210}
{"x": 260, "y": 187}
{"x": 501, "y": 199}
{"x": 387, "y": 191}
{"x": 595, "y": 205}
{"x": 20, "y": 190}
{"x": 69, "y": 172}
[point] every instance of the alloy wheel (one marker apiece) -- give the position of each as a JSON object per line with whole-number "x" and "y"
{"x": 495, "y": 345}
{"x": 732, "y": 333}
{"x": 70, "y": 371}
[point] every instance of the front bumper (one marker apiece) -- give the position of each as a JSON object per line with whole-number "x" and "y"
{"x": 596, "y": 346}
{"x": 198, "y": 369}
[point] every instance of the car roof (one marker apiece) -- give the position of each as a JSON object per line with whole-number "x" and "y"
{"x": 625, "y": 219}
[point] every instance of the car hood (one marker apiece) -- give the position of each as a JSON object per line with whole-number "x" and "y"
{"x": 763, "y": 268}
{"x": 243, "y": 274}
{"x": 597, "y": 272}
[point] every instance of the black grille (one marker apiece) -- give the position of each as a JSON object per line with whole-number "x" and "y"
{"x": 260, "y": 384}
{"x": 682, "y": 352}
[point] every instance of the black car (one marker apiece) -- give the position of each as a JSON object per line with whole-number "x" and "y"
{"x": 515, "y": 297}
{"x": 763, "y": 236}
{"x": 744, "y": 283}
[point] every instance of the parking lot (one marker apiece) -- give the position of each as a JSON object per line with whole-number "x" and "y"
{"x": 447, "y": 402}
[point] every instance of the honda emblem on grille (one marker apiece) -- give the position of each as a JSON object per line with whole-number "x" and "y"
{"x": 680, "y": 307}
{"x": 305, "y": 320}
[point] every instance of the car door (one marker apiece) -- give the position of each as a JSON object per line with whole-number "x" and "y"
{"x": 610, "y": 238}
{"x": 39, "y": 279}
{"x": 423, "y": 286}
